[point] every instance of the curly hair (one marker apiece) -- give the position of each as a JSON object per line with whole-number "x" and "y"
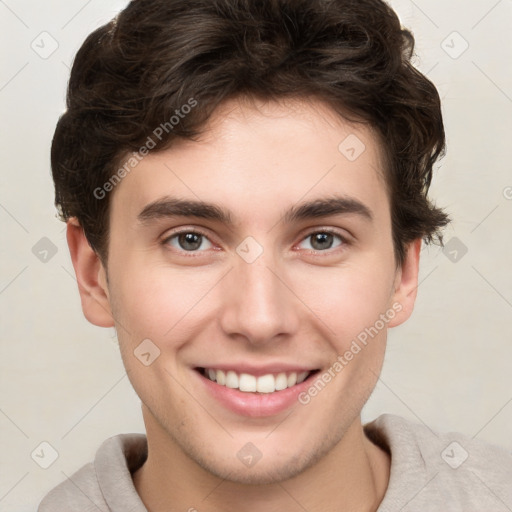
{"x": 135, "y": 73}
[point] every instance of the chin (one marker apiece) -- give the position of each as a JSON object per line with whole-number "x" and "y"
{"x": 267, "y": 474}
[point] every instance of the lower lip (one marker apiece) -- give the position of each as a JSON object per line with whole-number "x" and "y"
{"x": 255, "y": 404}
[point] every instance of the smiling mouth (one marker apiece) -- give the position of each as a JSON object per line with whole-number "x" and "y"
{"x": 247, "y": 383}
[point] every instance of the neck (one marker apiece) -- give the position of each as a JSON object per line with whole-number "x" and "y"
{"x": 352, "y": 476}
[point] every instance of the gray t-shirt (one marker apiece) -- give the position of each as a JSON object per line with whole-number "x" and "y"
{"x": 430, "y": 472}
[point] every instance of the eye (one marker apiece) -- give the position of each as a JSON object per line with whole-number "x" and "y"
{"x": 189, "y": 241}
{"x": 323, "y": 240}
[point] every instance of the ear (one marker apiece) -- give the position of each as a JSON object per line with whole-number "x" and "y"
{"x": 406, "y": 284}
{"x": 90, "y": 275}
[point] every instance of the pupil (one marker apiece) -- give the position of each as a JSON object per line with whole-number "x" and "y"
{"x": 322, "y": 240}
{"x": 190, "y": 241}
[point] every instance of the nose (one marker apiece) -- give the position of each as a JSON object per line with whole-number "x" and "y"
{"x": 257, "y": 302}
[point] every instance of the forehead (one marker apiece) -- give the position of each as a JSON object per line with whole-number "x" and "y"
{"x": 252, "y": 154}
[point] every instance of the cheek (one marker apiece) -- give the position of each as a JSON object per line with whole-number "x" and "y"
{"x": 153, "y": 308}
{"x": 153, "y": 302}
{"x": 354, "y": 305}
{"x": 348, "y": 299}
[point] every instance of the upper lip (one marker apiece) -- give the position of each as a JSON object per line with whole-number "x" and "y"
{"x": 258, "y": 371}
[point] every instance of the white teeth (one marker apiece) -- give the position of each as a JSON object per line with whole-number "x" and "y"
{"x": 266, "y": 384}
{"x": 292, "y": 379}
{"x": 301, "y": 377}
{"x": 247, "y": 382}
{"x": 250, "y": 383}
{"x": 231, "y": 380}
{"x": 281, "y": 381}
{"x": 221, "y": 377}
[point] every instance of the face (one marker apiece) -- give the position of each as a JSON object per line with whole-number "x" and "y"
{"x": 261, "y": 257}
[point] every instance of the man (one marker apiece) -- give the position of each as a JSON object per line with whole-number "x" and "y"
{"x": 245, "y": 189}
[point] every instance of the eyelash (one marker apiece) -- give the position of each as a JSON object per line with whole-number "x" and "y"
{"x": 195, "y": 231}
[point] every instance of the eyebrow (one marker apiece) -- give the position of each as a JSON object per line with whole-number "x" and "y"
{"x": 166, "y": 207}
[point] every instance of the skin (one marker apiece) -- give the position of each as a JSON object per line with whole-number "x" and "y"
{"x": 293, "y": 304}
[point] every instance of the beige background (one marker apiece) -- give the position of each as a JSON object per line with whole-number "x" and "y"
{"x": 62, "y": 380}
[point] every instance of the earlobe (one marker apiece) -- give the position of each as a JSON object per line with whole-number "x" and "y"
{"x": 406, "y": 284}
{"x": 90, "y": 275}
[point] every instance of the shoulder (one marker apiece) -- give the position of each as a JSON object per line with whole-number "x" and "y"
{"x": 432, "y": 470}
{"x": 104, "y": 484}
{"x": 79, "y": 492}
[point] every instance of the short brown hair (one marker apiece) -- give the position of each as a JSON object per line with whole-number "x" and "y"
{"x": 135, "y": 73}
